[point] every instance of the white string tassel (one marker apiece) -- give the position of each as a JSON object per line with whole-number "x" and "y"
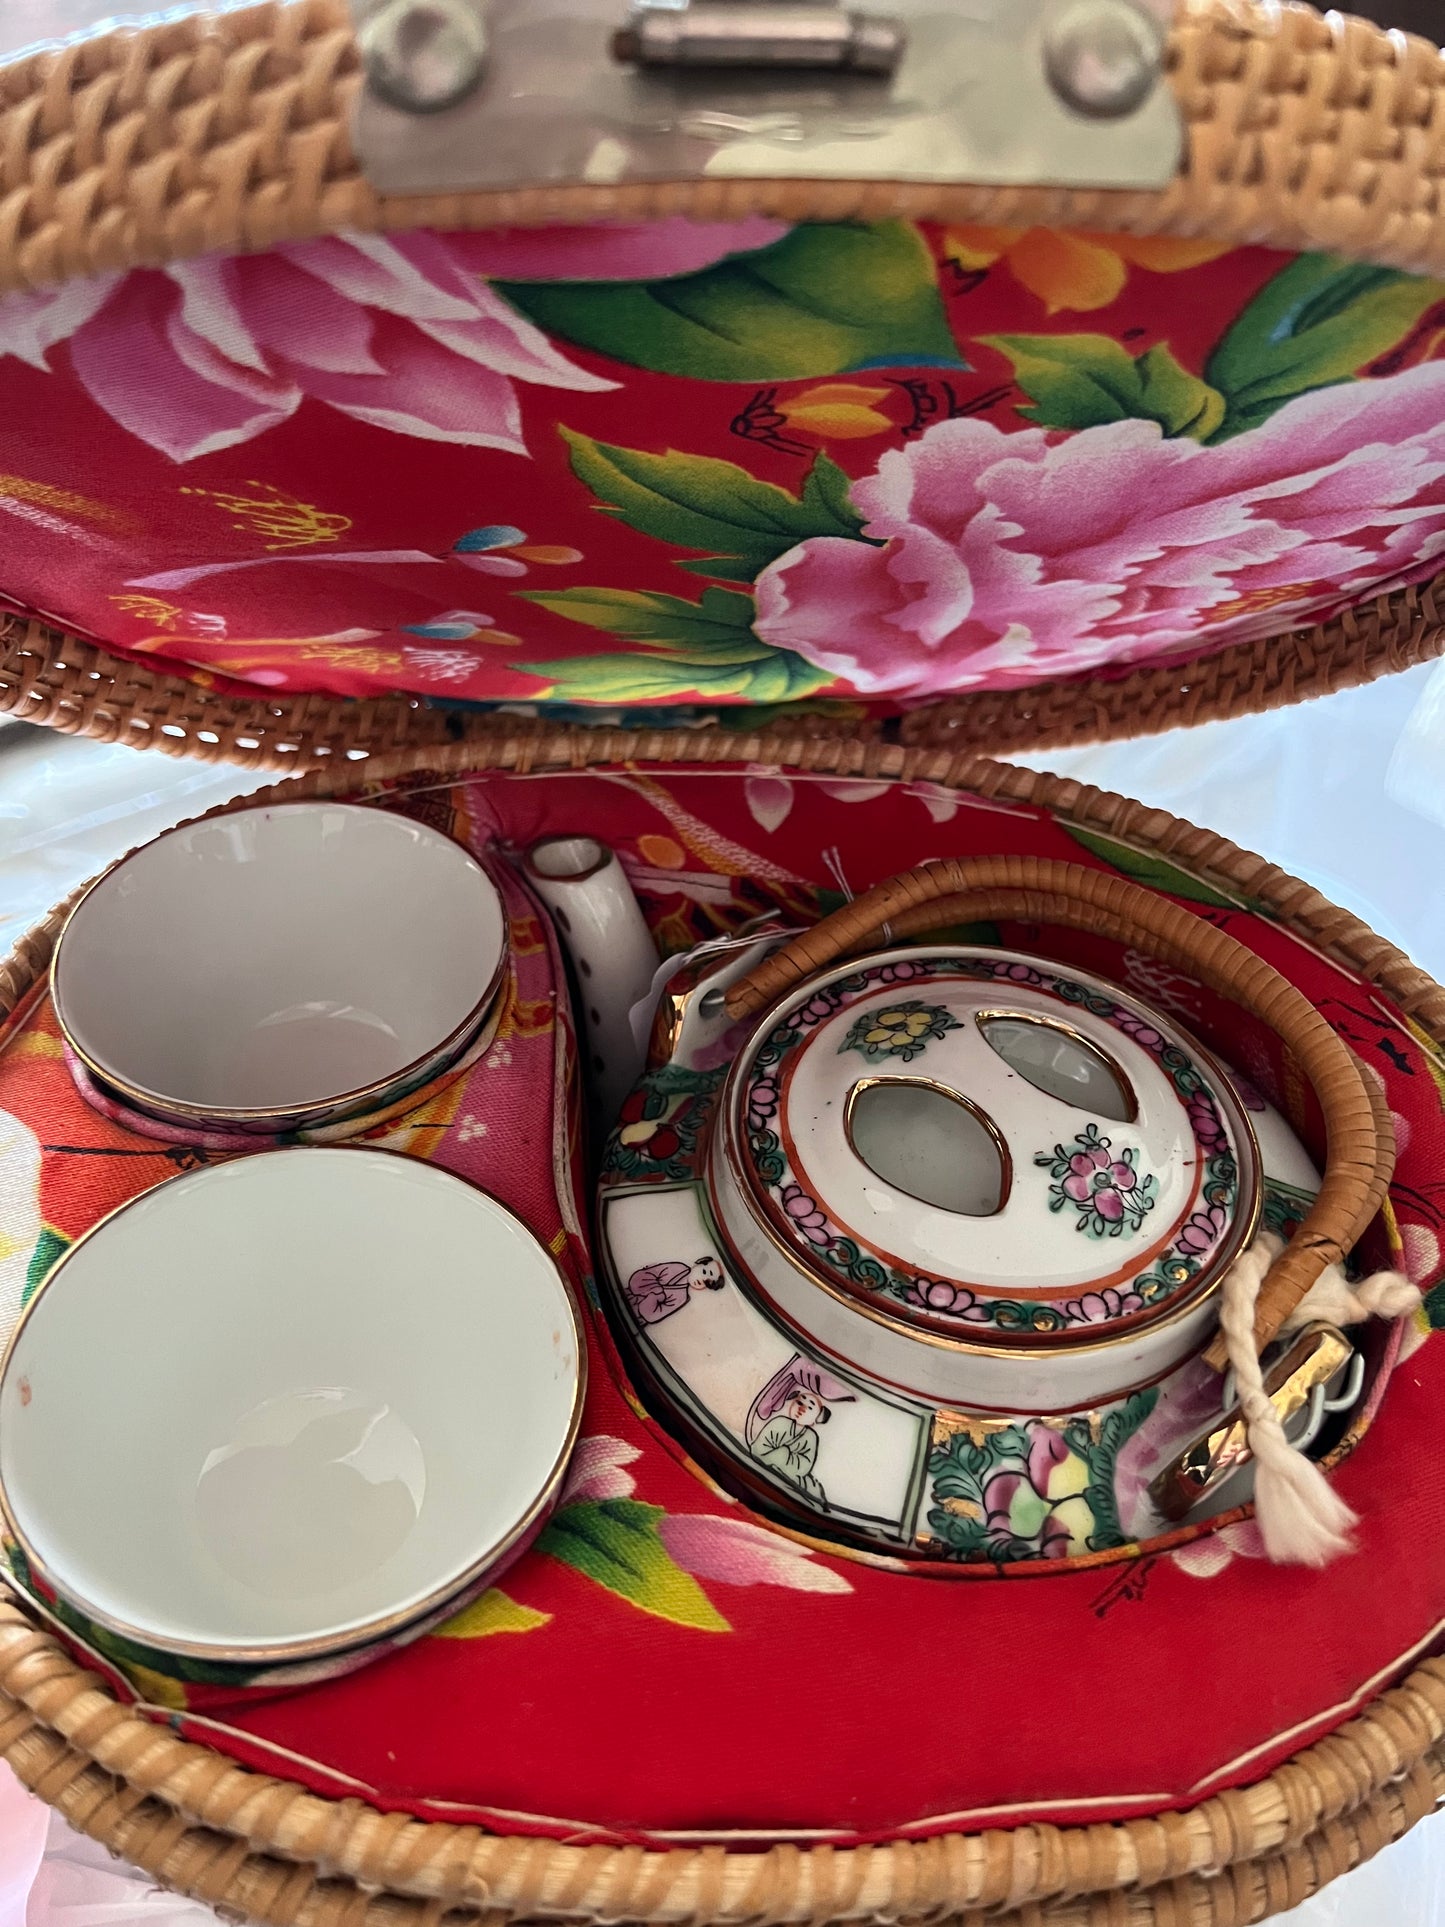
{"x": 1302, "y": 1520}
{"x": 1384, "y": 1294}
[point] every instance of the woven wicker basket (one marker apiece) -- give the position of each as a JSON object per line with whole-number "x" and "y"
{"x": 232, "y": 133}
{"x": 276, "y": 1853}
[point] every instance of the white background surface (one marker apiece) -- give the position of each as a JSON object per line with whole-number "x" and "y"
{"x": 1348, "y": 793}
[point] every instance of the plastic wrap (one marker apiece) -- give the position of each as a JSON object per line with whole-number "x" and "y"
{"x": 68, "y": 807}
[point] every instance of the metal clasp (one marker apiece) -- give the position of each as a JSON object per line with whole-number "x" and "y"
{"x": 464, "y": 94}
{"x": 760, "y": 33}
{"x": 1299, "y": 1380}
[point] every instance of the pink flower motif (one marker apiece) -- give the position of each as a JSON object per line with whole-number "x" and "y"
{"x": 1047, "y": 1449}
{"x": 937, "y": 1294}
{"x": 1203, "y": 1231}
{"x": 762, "y": 1104}
{"x": 1018, "y": 973}
{"x": 1143, "y": 1034}
{"x": 1202, "y": 1558}
{"x": 596, "y": 1471}
{"x": 899, "y": 973}
{"x": 815, "y": 1011}
{"x": 738, "y": 1553}
{"x": 1097, "y": 1307}
{"x": 400, "y": 331}
{"x": 1206, "y": 1123}
{"x": 996, "y": 559}
{"x": 1094, "y": 1177}
{"x": 1041, "y": 1508}
{"x": 805, "y": 1214}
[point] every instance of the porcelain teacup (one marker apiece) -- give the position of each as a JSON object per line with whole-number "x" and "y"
{"x": 253, "y": 973}
{"x": 281, "y": 1414}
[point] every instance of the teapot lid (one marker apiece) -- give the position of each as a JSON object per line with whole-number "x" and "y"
{"x": 986, "y": 1145}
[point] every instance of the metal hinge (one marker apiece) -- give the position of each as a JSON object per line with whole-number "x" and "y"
{"x": 508, "y": 93}
{"x": 760, "y": 34}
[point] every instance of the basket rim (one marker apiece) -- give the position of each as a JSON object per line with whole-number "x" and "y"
{"x": 237, "y": 1837}
{"x": 64, "y": 682}
{"x": 269, "y": 1851}
{"x": 231, "y": 131}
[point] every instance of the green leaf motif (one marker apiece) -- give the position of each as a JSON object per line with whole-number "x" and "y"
{"x": 1430, "y": 1051}
{"x": 1118, "y": 1428}
{"x": 1318, "y": 322}
{"x": 721, "y": 621}
{"x": 706, "y": 649}
{"x": 1080, "y": 381}
{"x": 824, "y": 300}
{"x": 616, "y": 1543}
{"x": 495, "y": 1612}
{"x": 1145, "y": 867}
{"x": 49, "y": 1249}
{"x": 698, "y": 502}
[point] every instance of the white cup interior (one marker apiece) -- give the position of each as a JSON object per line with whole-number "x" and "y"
{"x": 282, "y": 1399}
{"x": 278, "y": 958}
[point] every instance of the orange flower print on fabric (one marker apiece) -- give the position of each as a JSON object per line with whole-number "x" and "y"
{"x": 1074, "y": 273}
{"x": 838, "y": 411}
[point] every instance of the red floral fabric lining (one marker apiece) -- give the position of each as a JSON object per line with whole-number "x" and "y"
{"x": 694, "y": 465}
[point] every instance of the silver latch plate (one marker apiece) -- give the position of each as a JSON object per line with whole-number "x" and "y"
{"x": 970, "y": 101}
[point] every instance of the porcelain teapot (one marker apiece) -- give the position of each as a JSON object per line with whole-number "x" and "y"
{"x": 909, "y": 1243}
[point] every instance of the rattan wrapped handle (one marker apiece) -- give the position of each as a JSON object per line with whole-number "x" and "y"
{"x": 1359, "y": 1157}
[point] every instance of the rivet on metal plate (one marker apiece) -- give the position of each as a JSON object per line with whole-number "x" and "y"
{"x": 1102, "y": 57}
{"x": 423, "y": 56}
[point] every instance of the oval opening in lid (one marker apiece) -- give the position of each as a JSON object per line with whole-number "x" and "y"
{"x": 1061, "y": 1063}
{"x": 929, "y": 1142}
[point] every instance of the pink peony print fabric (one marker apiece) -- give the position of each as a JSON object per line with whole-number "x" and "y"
{"x": 686, "y": 467}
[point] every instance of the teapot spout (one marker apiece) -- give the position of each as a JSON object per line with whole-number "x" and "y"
{"x": 611, "y": 949}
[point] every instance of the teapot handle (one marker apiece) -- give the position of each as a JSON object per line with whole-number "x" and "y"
{"x": 1360, "y": 1151}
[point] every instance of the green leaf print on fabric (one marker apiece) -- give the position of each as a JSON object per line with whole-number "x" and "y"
{"x": 50, "y": 1248}
{"x": 1145, "y": 867}
{"x": 495, "y": 1612}
{"x": 824, "y": 300}
{"x": 719, "y": 621}
{"x": 1080, "y": 381}
{"x": 704, "y": 648}
{"x": 616, "y": 1543}
{"x": 1318, "y": 322}
{"x": 699, "y": 502}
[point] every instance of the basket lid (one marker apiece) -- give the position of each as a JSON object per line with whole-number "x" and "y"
{"x": 975, "y": 464}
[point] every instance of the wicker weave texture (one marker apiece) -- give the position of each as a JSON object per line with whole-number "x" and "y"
{"x": 55, "y": 679}
{"x": 231, "y": 131}
{"x": 273, "y": 1852}
{"x": 1233, "y": 1859}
